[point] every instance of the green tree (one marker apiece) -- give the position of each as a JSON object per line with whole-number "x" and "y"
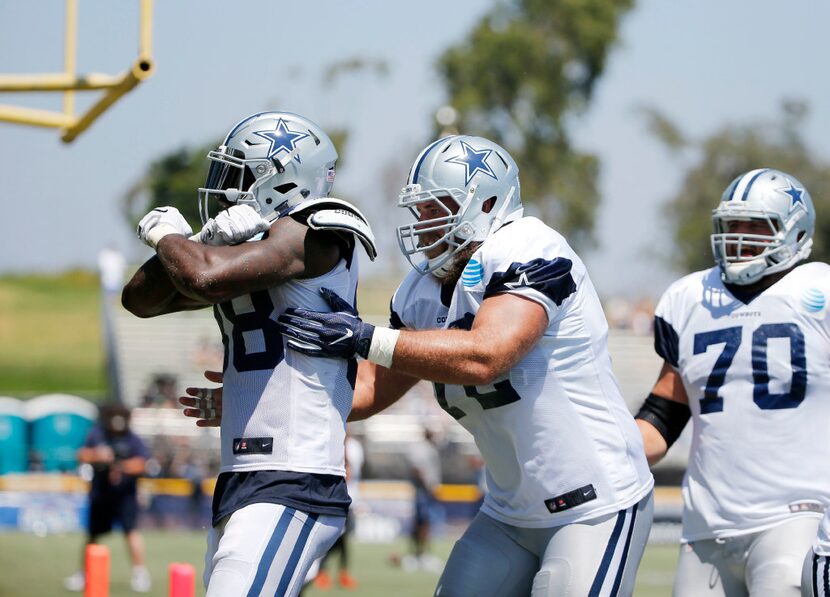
{"x": 714, "y": 161}
{"x": 522, "y": 74}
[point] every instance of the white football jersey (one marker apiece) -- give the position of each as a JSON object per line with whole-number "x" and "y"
{"x": 283, "y": 410}
{"x": 757, "y": 376}
{"x": 558, "y": 442}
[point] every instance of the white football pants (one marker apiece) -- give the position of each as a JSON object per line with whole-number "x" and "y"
{"x": 594, "y": 558}
{"x": 763, "y": 564}
{"x": 266, "y": 549}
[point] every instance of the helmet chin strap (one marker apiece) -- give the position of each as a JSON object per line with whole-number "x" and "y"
{"x": 442, "y": 270}
{"x": 744, "y": 273}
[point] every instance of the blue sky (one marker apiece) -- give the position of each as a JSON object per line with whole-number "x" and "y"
{"x": 704, "y": 63}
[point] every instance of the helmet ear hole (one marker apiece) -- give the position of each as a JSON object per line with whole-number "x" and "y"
{"x": 487, "y": 206}
{"x": 248, "y": 179}
{"x": 284, "y": 188}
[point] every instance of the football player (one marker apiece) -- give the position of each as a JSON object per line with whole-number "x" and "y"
{"x": 746, "y": 349}
{"x": 280, "y": 500}
{"x": 502, "y": 316}
{"x": 815, "y": 578}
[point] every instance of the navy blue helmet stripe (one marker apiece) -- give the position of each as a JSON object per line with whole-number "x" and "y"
{"x": 417, "y": 168}
{"x": 749, "y": 186}
{"x": 270, "y": 551}
{"x": 294, "y": 558}
{"x": 618, "y": 580}
{"x": 596, "y": 586}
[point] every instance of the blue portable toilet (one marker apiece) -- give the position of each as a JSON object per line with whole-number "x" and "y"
{"x": 59, "y": 425}
{"x": 13, "y": 450}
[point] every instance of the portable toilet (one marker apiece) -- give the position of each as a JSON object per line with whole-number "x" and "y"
{"x": 13, "y": 452}
{"x": 59, "y": 425}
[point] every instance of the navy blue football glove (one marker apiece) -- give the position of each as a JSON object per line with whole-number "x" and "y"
{"x": 339, "y": 334}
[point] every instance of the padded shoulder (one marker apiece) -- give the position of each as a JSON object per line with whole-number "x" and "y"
{"x": 327, "y": 213}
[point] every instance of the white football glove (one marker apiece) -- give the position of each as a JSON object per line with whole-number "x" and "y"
{"x": 159, "y": 223}
{"x": 232, "y": 226}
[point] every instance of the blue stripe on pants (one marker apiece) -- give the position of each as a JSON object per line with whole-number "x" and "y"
{"x": 270, "y": 551}
{"x": 606, "y": 558}
{"x": 291, "y": 566}
{"x": 624, "y": 557}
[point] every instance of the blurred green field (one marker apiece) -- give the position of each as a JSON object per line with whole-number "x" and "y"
{"x": 50, "y": 332}
{"x": 35, "y": 567}
{"x": 50, "y": 335}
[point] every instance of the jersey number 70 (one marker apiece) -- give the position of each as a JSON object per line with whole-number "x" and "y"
{"x": 731, "y": 339}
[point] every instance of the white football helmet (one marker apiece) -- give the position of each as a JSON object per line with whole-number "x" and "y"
{"x": 769, "y": 196}
{"x": 271, "y": 161}
{"x": 461, "y": 171}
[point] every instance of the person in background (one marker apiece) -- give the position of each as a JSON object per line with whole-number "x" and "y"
{"x": 118, "y": 458}
{"x": 745, "y": 346}
{"x": 425, "y": 470}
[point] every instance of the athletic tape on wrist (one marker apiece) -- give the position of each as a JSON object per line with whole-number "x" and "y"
{"x": 159, "y": 232}
{"x": 382, "y": 348}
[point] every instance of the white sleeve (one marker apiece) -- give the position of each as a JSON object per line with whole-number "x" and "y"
{"x": 533, "y": 262}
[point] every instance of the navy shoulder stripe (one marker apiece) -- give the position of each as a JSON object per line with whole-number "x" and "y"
{"x": 550, "y": 277}
{"x": 666, "y": 342}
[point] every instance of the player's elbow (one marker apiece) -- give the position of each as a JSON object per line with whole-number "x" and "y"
{"x": 199, "y": 284}
{"x": 131, "y": 300}
{"x": 483, "y": 371}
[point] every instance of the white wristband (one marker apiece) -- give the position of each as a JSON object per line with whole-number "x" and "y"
{"x": 159, "y": 232}
{"x": 382, "y": 347}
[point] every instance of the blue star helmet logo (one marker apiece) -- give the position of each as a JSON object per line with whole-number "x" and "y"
{"x": 282, "y": 139}
{"x": 473, "y": 161}
{"x": 795, "y": 194}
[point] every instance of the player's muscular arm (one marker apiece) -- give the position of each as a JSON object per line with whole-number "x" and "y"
{"x": 217, "y": 274}
{"x": 150, "y": 292}
{"x": 668, "y": 386}
{"x": 377, "y": 388}
{"x": 505, "y": 329}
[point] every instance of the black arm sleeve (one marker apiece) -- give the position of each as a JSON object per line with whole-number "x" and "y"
{"x": 667, "y": 416}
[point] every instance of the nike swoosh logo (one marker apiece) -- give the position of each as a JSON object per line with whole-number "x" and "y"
{"x": 345, "y": 336}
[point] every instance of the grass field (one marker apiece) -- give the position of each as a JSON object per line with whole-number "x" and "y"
{"x": 50, "y": 332}
{"x": 35, "y": 567}
{"x": 50, "y": 335}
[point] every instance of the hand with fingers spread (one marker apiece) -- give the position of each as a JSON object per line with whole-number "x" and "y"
{"x": 340, "y": 333}
{"x": 204, "y": 404}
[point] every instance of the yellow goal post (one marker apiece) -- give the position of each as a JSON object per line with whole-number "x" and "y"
{"x": 114, "y": 86}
